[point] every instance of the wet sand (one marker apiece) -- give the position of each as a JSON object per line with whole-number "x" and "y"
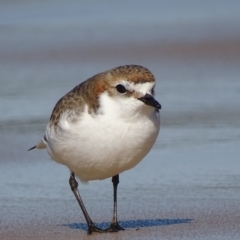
{"x": 177, "y": 192}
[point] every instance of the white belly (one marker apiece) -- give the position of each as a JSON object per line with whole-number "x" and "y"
{"x": 98, "y": 147}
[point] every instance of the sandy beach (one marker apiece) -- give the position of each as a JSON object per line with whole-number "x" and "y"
{"x": 171, "y": 195}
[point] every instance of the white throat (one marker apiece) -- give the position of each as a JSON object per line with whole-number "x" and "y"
{"x": 121, "y": 107}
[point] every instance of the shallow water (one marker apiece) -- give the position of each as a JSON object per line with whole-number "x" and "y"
{"x": 188, "y": 186}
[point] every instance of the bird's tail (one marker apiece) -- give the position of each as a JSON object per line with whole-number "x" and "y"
{"x": 32, "y": 148}
{"x": 40, "y": 145}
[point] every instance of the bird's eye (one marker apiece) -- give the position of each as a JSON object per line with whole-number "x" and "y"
{"x": 120, "y": 88}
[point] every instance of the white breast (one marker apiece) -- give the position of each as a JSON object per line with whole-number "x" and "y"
{"x": 103, "y": 145}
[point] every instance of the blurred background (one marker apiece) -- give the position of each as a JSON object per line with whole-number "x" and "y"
{"x": 193, "y": 49}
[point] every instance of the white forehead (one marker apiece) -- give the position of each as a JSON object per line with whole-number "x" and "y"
{"x": 142, "y": 87}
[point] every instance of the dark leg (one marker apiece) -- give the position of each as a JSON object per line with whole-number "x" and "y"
{"x": 114, "y": 226}
{"x": 73, "y": 184}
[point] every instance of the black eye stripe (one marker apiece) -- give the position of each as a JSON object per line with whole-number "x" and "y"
{"x": 120, "y": 88}
{"x": 152, "y": 91}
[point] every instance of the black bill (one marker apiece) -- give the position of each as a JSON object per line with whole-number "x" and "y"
{"x": 150, "y": 100}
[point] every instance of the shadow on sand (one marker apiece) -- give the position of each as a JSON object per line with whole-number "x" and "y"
{"x": 133, "y": 223}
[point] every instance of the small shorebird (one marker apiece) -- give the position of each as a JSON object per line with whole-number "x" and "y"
{"x": 102, "y": 127}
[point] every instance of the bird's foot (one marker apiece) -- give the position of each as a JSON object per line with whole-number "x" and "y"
{"x": 93, "y": 228}
{"x": 114, "y": 227}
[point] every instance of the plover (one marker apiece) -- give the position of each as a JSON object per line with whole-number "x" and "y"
{"x": 102, "y": 127}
